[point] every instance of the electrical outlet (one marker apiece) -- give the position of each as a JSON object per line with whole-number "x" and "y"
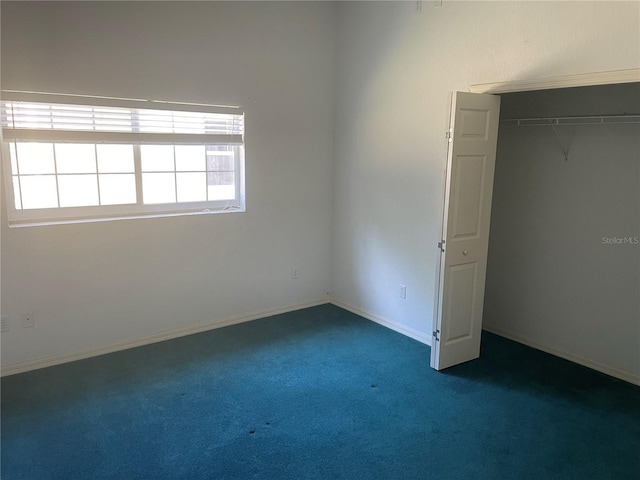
{"x": 403, "y": 291}
{"x": 28, "y": 320}
{"x": 4, "y": 324}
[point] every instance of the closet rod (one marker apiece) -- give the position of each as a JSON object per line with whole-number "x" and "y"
{"x": 587, "y": 120}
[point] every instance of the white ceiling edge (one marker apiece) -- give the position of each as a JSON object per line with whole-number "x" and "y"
{"x": 580, "y": 80}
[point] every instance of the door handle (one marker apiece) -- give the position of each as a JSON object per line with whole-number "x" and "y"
{"x": 465, "y": 252}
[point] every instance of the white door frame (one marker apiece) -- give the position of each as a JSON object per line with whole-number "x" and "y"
{"x": 631, "y": 75}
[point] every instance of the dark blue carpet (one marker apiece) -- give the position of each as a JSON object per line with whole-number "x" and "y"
{"x": 317, "y": 394}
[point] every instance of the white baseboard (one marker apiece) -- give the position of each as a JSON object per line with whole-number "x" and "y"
{"x": 409, "y": 332}
{"x": 159, "y": 337}
{"x": 236, "y": 319}
{"x": 600, "y": 367}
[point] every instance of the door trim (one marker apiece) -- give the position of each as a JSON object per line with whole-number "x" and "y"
{"x": 631, "y": 75}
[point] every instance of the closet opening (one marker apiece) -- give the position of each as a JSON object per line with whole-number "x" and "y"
{"x": 563, "y": 270}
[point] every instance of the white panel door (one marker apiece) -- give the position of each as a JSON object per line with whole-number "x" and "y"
{"x": 465, "y": 230}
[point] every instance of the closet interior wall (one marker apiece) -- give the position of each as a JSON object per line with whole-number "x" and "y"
{"x": 564, "y": 259}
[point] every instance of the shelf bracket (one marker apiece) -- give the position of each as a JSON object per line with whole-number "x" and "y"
{"x": 565, "y": 150}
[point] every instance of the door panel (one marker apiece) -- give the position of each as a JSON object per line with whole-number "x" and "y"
{"x": 468, "y": 180}
{"x": 465, "y": 231}
{"x": 474, "y": 123}
{"x": 460, "y": 307}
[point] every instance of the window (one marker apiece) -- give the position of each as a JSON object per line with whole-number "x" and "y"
{"x": 74, "y": 158}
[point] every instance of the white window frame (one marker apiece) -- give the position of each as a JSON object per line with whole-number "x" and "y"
{"x": 234, "y": 138}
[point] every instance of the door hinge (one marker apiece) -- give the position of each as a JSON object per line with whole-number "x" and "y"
{"x": 436, "y": 335}
{"x": 441, "y": 246}
{"x": 448, "y": 135}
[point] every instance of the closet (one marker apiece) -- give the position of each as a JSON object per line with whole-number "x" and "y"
{"x": 564, "y": 260}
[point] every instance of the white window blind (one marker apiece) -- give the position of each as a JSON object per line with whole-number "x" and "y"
{"x": 164, "y": 159}
{"x": 32, "y": 119}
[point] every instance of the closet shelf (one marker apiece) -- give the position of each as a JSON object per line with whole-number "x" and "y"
{"x": 587, "y": 120}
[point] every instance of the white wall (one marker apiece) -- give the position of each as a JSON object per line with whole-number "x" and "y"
{"x": 557, "y": 277}
{"x": 396, "y": 66}
{"x": 95, "y": 285}
{"x": 92, "y": 286}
